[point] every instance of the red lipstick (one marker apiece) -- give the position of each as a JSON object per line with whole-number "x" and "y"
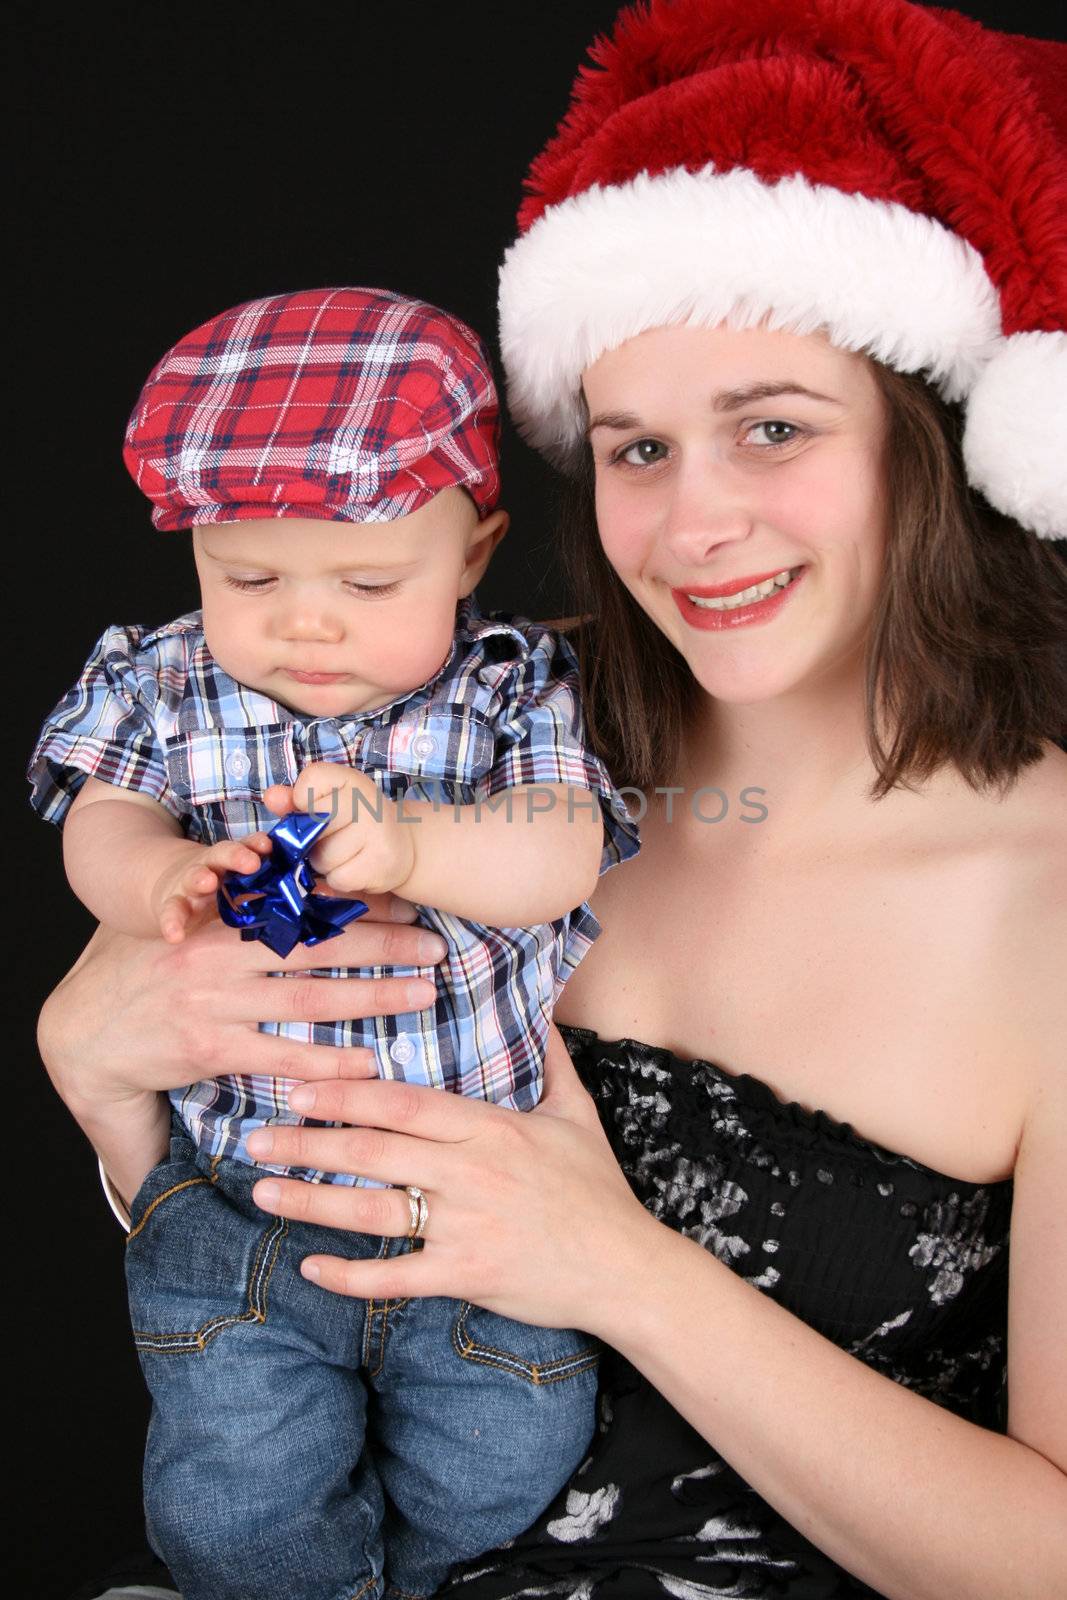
{"x": 714, "y": 621}
{"x": 719, "y": 591}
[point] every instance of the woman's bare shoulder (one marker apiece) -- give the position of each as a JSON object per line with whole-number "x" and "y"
{"x": 1027, "y": 854}
{"x": 1029, "y": 824}
{"x": 1022, "y": 828}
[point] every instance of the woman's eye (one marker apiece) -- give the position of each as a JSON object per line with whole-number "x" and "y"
{"x": 774, "y": 433}
{"x": 643, "y": 453}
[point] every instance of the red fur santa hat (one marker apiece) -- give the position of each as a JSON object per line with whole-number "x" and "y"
{"x": 889, "y": 173}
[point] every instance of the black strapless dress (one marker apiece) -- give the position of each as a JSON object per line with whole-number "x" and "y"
{"x": 900, "y": 1265}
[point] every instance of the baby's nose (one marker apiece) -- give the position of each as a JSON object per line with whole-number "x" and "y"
{"x": 308, "y": 621}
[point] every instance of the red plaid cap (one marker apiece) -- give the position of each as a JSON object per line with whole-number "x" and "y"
{"x": 345, "y": 405}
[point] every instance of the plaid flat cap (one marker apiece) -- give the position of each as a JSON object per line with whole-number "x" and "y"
{"x": 344, "y": 405}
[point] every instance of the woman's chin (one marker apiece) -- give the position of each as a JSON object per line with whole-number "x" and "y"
{"x": 750, "y": 685}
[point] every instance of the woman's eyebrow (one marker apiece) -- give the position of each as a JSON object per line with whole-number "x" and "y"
{"x": 724, "y": 400}
{"x": 619, "y": 420}
{"x": 734, "y": 399}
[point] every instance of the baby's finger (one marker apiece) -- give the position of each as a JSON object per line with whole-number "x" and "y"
{"x": 336, "y": 849}
{"x": 259, "y": 842}
{"x": 174, "y": 919}
{"x": 204, "y": 880}
{"x": 350, "y": 878}
{"x": 328, "y": 891}
{"x": 235, "y": 858}
{"x": 279, "y": 799}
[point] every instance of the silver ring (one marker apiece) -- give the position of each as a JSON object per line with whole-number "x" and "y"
{"x": 419, "y": 1211}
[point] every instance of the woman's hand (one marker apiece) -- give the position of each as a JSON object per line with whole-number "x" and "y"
{"x": 139, "y": 1014}
{"x": 529, "y": 1215}
{"x": 135, "y": 1017}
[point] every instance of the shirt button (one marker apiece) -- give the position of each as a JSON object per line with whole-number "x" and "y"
{"x": 237, "y": 764}
{"x": 402, "y": 1049}
{"x": 423, "y": 745}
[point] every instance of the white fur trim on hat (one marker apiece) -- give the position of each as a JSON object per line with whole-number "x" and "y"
{"x": 1015, "y": 441}
{"x": 706, "y": 247}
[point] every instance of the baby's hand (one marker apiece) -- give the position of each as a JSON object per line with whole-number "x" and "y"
{"x": 184, "y": 894}
{"x": 366, "y": 848}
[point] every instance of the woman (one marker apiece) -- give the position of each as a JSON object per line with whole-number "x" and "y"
{"x": 791, "y": 1218}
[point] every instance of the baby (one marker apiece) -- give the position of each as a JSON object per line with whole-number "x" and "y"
{"x": 334, "y": 453}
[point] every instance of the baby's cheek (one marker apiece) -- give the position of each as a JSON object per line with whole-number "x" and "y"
{"x": 413, "y": 648}
{"x": 229, "y": 638}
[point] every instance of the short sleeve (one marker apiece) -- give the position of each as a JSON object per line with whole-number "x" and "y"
{"x": 102, "y": 728}
{"x": 540, "y": 739}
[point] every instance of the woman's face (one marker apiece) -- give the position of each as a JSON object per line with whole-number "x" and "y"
{"x": 728, "y": 460}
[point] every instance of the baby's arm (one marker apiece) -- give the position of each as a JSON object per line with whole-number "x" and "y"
{"x": 530, "y": 854}
{"x": 127, "y": 861}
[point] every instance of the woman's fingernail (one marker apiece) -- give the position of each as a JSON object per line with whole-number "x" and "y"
{"x": 419, "y": 993}
{"x": 401, "y": 910}
{"x": 267, "y": 1193}
{"x": 260, "y": 1143}
{"x": 302, "y": 1098}
{"x": 310, "y": 1270}
{"x": 431, "y": 947}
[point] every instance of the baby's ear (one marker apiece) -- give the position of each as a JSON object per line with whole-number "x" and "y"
{"x": 484, "y": 540}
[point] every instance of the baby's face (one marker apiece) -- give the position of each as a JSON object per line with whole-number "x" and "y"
{"x": 330, "y": 618}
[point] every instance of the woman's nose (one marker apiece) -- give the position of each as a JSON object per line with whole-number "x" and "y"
{"x": 709, "y": 507}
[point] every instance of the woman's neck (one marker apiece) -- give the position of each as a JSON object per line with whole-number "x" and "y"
{"x": 807, "y": 750}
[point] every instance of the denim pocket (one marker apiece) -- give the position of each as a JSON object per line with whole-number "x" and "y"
{"x": 534, "y": 1355}
{"x": 195, "y": 1264}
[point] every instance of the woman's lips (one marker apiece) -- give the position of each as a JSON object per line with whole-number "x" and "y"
{"x": 719, "y": 591}
{"x": 710, "y": 621}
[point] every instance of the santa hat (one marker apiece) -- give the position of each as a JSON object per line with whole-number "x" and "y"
{"x": 891, "y": 174}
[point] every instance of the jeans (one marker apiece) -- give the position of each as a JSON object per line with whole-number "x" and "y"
{"x": 305, "y": 1446}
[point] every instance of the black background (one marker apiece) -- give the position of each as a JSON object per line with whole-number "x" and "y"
{"x": 172, "y": 160}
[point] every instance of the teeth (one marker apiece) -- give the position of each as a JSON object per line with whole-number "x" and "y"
{"x": 756, "y": 591}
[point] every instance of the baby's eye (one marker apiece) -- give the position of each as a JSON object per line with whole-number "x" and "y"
{"x": 247, "y": 585}
{"x": 774, "y": 433}
{"x": 643, "y": 453}
{"x": 373, "y": 588}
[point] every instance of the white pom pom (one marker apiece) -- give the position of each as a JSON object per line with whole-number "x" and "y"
{"x": 1015, "y": 441}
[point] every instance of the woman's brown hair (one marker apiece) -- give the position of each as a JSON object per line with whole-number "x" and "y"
{"x": 967, "y": 651}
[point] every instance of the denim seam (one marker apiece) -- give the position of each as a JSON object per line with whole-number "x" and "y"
{"x": 187, "y": 1183}
{"x": 372, "y": 1331}
{"x": 534, "y": 1372}
{"x": 258, "y": 1285}
{"x": 370, "y": 1583}
{"x": 376, "y": 1328}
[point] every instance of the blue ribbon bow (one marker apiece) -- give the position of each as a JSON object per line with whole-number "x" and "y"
{"x": 277, "y": 903}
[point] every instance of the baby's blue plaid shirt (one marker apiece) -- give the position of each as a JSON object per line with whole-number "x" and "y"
{"x": 153, "y": 711}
